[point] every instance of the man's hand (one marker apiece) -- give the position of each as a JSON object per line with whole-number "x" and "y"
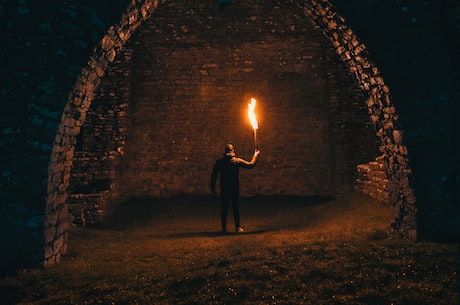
{"x": 256, "y": 152}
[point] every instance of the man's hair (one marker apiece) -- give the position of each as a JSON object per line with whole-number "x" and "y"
{"x": 229, "y": 148}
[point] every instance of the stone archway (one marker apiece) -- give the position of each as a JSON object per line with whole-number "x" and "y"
{"x": 394, "y": 161}
{"x": 352, "y": 53}
{"x": 57, "y": 219}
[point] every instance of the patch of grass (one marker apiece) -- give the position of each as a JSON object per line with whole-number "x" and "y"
{"x": 296, "y": 251}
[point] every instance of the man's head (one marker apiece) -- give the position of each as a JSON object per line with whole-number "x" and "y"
{"x": 229, "y": 150}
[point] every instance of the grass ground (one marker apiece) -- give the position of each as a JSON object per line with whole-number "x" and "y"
{"x": 294, "y": 251}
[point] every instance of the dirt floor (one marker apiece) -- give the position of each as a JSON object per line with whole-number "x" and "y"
{"x": 295, "y": 250}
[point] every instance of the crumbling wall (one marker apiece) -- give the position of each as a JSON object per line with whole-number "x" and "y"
{"x": 32, "y": 116}
{"x": 381, "y": 110}
{"x": 92, "y": 187}
{"x": 57, "y": 217}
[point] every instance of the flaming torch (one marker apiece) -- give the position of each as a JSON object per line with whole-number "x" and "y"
{"x": 253, "y": 120}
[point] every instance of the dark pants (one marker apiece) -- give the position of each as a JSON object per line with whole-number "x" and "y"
{"x": 226, "y": 197}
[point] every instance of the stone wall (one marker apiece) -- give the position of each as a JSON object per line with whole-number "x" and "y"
{"x": 416, "y": 50}
{"x": 57, "y": 217}
{"x": 381, "y": 110}
{"x": 44, "y": 46}
{"x": 372, "y": 180}
{"x": 92, "y": 187}
{"x": 49, "y": 44}
{"x": 85, "y": 92}
{"x": 195, "y": 66}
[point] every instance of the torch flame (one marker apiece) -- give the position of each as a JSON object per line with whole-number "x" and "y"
{"x": 251, "y": 114}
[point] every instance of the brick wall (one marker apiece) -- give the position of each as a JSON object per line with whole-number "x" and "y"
{"x": 30, "y": 129}
{"x": 99, "y": 146}
{"x": 194, "y": 68}
{"x": 186, "y": 82}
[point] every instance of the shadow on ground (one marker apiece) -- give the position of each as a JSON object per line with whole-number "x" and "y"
{"x": 272, "y": 212}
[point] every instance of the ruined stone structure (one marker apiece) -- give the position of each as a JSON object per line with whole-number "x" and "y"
{"x": 167, "y": 87}
{"x": 190, "y": 85}
{"x": 396, "y": 171}
{"x": 213, "y": 63}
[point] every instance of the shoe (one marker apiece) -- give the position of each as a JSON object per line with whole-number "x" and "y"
{"x": 239, "y": 230}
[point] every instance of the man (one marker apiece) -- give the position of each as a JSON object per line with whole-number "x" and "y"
{"x": 228, "y": 167}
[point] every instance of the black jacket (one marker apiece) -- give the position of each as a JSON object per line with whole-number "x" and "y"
{"x": 228, "y": 168}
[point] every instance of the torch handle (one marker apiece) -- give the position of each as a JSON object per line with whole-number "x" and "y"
{"x": 255, "y": 138}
